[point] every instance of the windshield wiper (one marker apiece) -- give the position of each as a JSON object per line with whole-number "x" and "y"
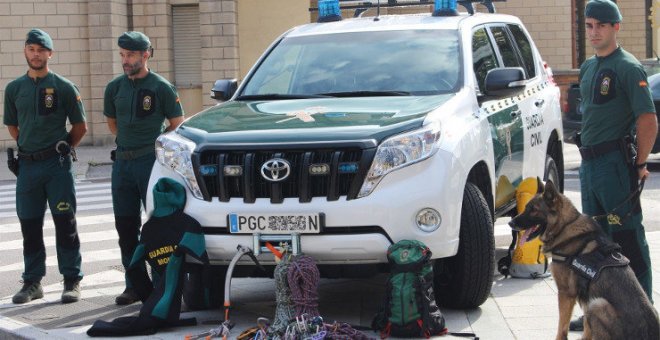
{"x": 275, "y": 96}
{"x": 367, "y": 93}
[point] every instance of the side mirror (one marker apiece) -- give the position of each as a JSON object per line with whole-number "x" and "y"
{"x": 502, "y": 82}
{"x": 224, "y": 89}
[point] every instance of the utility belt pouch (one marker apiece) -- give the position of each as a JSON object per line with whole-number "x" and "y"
{"x": 629, "y": 149}
{"x": 12, "y": 162}
{"x": 578, "y": 139}
{"x": 65, "y": 149}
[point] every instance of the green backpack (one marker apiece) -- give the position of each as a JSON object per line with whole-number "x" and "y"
{"x": 409, "y": 309}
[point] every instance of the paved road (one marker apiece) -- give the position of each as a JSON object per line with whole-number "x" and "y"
{"x": 506, "y": 315}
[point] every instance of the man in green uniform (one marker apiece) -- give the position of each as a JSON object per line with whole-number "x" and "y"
{"x": 136, "y": 105}
{"x": 616, "y": 102}
{"x": 37, "y": 106}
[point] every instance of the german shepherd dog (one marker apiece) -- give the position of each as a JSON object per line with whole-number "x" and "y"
{"x": 589, "y": 268}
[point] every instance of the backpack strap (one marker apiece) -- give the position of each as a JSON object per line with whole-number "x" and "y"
{"x": 504, "y": 264}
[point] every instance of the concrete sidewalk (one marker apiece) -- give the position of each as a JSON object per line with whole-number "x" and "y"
{"x": 516, "y": 308}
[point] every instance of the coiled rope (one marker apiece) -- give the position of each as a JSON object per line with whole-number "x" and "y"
{"x": 343, "y": 331}
{"x": 284, "y": 311}
{"x": 296, "y": 315}
{"x": 303, "y": 278}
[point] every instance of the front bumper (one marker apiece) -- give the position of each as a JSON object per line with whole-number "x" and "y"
{"x": 391, "y": 209}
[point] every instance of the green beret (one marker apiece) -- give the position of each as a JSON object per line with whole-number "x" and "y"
{"x": 39, "y": 37}
{"x": 134, "y": 41}
{"x": 603, "y": 11}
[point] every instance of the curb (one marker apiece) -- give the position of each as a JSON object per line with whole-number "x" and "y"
{"x": 12, "y": 329}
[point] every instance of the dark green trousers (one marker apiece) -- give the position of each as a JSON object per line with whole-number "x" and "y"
{"x": 40, "y": 182}
{"x": 606, "y": 182}
{"x": 130, "y": 179}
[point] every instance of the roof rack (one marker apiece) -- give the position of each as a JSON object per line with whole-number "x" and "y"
{"x": 361, "y": 6}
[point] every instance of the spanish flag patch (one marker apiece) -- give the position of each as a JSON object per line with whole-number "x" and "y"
{"x": 643, "y": 83}
{"x": 177, "y": 99}
{"x": 78, "y": 98}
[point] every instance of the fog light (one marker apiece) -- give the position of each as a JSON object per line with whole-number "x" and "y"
{"x": 232, "y": 170}
{"x": 428, "y": 220}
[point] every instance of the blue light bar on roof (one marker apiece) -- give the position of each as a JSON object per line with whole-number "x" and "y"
{"x": 329, "y": 11}
{"x": 445, "y": 8}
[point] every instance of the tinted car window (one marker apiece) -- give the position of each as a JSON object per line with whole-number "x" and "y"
{"x": 509, "y": 57}
{"x": 483, "y": 56}
{"x": 421, "y": 62}
{"x": 525, "y": 49}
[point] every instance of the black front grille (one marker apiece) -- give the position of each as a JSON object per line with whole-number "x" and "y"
{"x": 344, "y": 173}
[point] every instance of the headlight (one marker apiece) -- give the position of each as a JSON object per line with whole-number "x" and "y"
{"x": 173, "y": 151}
{"x": 400, "y": 151}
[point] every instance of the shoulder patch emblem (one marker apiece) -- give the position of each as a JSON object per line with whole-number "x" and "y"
{"x": 146, "y": 103}
{"x": 605, "y": 86}
{"x": 643, "y": 83}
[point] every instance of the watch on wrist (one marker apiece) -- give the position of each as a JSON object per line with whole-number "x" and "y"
{"x": 640, "y": 166}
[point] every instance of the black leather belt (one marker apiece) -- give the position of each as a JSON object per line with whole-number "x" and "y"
{"x": 591, "y": 152}
{"x": 128, "y": 155}
{"x": 39, "y": 155}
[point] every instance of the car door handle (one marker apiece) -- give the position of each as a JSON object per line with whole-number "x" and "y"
{"x": 515, "y": 114}
{"x": 539, "y": 102}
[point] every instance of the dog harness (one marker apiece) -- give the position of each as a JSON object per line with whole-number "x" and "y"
{"x": 590, "y": 265}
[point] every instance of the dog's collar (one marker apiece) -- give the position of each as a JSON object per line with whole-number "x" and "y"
{"x": 604, "y": 246}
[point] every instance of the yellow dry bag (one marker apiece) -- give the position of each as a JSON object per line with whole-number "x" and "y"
{"x": 524, "y": 259}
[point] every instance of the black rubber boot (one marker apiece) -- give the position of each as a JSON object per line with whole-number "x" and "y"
{"x": 127, "y": 297}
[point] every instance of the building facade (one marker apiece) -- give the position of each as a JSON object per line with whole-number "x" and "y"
{"x": 199, "y": 41}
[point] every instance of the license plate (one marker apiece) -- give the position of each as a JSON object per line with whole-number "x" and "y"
{"x": 275, "y": 224}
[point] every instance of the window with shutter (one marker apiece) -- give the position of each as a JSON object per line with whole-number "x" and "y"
{"x": 187, "y": 46}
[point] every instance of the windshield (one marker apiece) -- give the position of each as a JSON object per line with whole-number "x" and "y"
{"x": 412, "y": 62}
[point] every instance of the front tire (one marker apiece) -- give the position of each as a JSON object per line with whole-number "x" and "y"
{"x": 551, "y": 172}
{"x": 464, "y": 280}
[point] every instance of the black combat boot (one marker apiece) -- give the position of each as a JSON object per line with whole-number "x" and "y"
{"x": 30, "y": 291}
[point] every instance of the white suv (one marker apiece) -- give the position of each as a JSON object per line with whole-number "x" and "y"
{"x": 348, "y": 136}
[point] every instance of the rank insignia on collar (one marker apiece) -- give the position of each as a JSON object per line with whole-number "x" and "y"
{"x": 605, "y": 86}
{"x": 146, "y": 103}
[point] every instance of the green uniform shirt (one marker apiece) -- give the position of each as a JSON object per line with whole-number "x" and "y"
{"x": 140, "y": 107}
{"x": 40, "y": 109}
{"x": 615, "y": 93}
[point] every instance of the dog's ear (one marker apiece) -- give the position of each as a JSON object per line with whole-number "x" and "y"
{"x": 540, "y": 185}
{"x": 550, "y": 192}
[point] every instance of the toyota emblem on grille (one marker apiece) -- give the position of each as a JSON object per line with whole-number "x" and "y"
{"x": 276, "y": 170}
